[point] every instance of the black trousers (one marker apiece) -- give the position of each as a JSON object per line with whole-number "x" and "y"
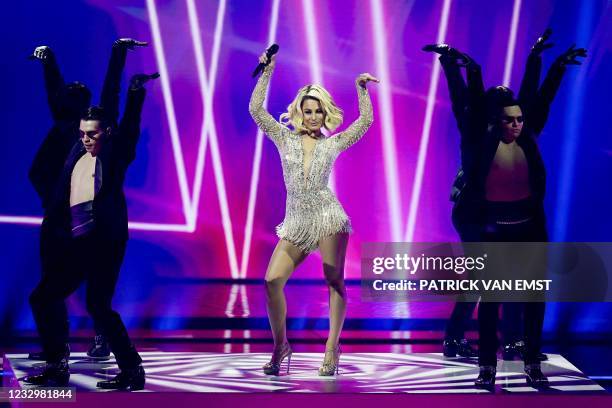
{"x": 48, "y": 253}
{"x": 488, "y": 313}
{"x": 511, "y": 328}
{"x": 457, "y": 324}
{"x": 532, "y": 230}
{"x": 95, "y": 261}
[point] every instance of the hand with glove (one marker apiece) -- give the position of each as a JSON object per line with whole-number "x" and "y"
{"x": 137, "y": 81}
{"x": 446, "y": 50}
{"x": 129, "y": 43}
{"x": 569, "y": 56}
{"x": 541, "y": 45}
{"x": 42, "y": 53}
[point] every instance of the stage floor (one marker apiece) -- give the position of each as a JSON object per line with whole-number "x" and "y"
{"x": 359, "y": 373}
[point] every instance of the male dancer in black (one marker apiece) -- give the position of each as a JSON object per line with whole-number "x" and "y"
{"x": 455, "y": 342}
{"x": 499, "y": 192}
{"x": 67, "y": 103}
{"x": 86, "y": 215}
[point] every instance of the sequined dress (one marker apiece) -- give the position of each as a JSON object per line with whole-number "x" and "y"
{"x": 312, "y": 210}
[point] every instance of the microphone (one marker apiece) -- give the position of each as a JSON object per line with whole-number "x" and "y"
{"x": 154, "y": 76}
{"x": 273, "y": 49}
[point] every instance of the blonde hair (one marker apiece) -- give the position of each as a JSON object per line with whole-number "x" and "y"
{"x": 333, "y": 115}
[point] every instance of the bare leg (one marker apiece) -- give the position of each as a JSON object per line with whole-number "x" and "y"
{"x": 333, "y": 252}
{"x": 285, "y": 258}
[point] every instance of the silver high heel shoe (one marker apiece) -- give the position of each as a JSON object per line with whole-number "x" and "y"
{"x": 331, "y": 362}
{"x": 278, "y": 355}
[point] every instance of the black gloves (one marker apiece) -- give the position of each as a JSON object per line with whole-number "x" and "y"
{"x": 541, "y": 44}
{"x": 42, "y": 53}
{"x": 446, "y": 50}
{"x": 442, "y": 49}
{"x": 137, "y": 81}
{"x": 129, "y": 43}
{"x": 569, "y": 56}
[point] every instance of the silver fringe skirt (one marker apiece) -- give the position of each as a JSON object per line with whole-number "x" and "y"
{"x": 311, "y": 215}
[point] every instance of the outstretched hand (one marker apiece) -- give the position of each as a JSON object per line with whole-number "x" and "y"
{"x": 442, "y": 49}
{"x": 448, "y": 51}
{"x": 42, "y": 53}
{"x": 541, "y": 44}
{"x": 364, "y": 78}
{"x": 569, "y": 56}
{"x": 137, "y": 81}
{"x": 129, "y": 43}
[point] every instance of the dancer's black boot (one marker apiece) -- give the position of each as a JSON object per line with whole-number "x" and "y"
{"x": 129, "y": 378}
{"x": 53, "y": 375}
{"x": 535, "y": 377}
{"x": 486, "y": 378}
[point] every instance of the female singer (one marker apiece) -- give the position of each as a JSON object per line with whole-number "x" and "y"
{"x": 313, "y": 216}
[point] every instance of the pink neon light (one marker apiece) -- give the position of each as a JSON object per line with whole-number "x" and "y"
{"x": 431, "y": 101}
{"x": 248, "y": 229}
{"x": 516, "y": 12}
{"x": 387, "y": 120}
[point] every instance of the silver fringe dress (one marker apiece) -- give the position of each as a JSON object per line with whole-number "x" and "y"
{"x": 312, "y": 210}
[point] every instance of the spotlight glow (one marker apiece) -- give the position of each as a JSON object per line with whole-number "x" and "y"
{"x": 314, "y": 57}
{"x": 431, "y": 102}
{"x": 169, "y": 105}
{"x": 248, "y": 228}
{"x": 516, "y": 12}
{"x": 209, "y": 131}
{"x": 18, "y": 219}
{"x": 387, "y": 120}
{"x": 312, "y": 41}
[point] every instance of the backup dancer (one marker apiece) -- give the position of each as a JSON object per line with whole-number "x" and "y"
{"x": 499, "y": 191}
{"x": 68, "y": 102}
{"x": 86, "y": 216}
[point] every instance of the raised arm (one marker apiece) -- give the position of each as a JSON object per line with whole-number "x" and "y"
{"x": 462, "y": 97}
{"x": 126, "y": 139}
{"x": 54, "y": 82}
{"x": 258, "y": 112}
{"x": 109, "y": 99}
{"x": 550, "y": 86}
{"x": 531, "y": 78}
{"x": 449, "y": 58}
{"x": 475, "y": 85}
{"x": 456, "y": 85}
{"x": 530, "y": 82}
{"x": 476, "y": 109}
{"x": 51, "y": 154}
{"x": 358, "y": 128}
